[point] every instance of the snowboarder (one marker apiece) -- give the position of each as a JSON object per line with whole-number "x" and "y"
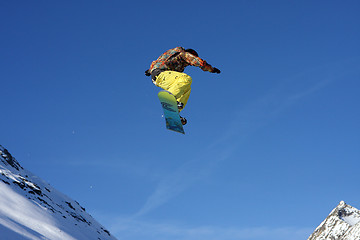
{"x": 167, "y": 73}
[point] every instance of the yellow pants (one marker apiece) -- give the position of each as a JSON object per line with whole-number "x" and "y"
{"x": 179, "y": 84}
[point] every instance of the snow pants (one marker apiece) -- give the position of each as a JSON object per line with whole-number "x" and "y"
{"x": 179, "y": 84}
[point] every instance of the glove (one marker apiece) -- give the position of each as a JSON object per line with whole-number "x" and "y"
{"x": 216, "y": 71}
{"x": 147, "y": 73}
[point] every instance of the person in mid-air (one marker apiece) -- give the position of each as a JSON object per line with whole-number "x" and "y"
{"x": 167, "y": 73}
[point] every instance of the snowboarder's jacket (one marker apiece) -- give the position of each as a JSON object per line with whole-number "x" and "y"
{"x": 177, "y": 59}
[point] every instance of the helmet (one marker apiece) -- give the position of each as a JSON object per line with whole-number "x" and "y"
{"x": 192, "y": 51}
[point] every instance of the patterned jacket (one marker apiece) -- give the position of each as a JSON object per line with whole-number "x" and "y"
{"x": 177, "y": 59}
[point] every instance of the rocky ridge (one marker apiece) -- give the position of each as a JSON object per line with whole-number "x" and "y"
{"x": 343, "y": 223}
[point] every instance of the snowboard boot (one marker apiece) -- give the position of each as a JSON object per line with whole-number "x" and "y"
{"x": 183, "y": 120}
{"x": 180, "y": 105}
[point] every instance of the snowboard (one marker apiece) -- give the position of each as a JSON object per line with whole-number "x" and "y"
{"x": 171, "y": 112}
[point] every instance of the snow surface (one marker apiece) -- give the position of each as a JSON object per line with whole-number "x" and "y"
{"x": 348, "y": 214}
{"x": 31, "y": 209}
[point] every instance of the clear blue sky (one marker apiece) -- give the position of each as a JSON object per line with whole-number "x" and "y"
{"x": 272, "y": 143}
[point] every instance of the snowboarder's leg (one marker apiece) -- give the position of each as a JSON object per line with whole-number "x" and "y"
{"x": 184, "y": 98}
{"x": 179, "y": 84}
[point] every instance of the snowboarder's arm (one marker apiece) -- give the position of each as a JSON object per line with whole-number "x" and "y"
{"x": 198, "y": 62}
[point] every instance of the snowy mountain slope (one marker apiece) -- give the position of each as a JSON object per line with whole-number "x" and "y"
{"x": 32, "y": 209}
{"x": 343, "y": 223}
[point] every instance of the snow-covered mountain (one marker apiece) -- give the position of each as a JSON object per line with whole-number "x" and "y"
{"x": 343, "y": 223}
{"x": 31, "y": 209}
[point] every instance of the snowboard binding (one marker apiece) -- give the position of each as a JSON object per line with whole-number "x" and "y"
{"x": 183, "y": 120}
{"x": 180, "y": 106}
